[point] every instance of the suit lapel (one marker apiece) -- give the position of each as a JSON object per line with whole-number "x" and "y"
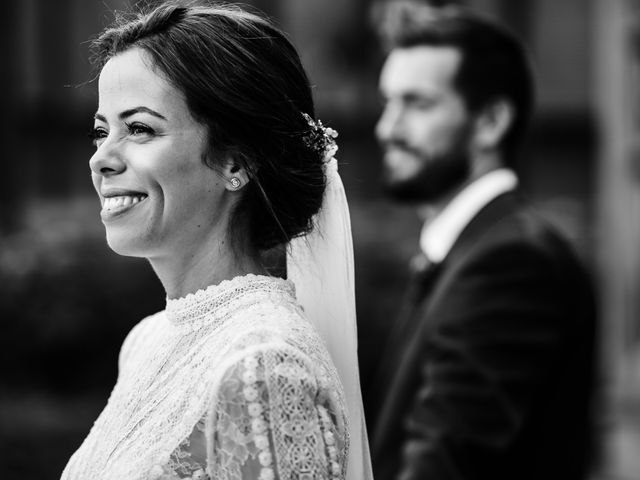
{"x": 404, "y": 324}
{"x": 421, "y": 283}
{"x": 393, "y": 371}
{"x": 500, "y": 207}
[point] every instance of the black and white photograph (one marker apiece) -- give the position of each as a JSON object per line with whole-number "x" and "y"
{"x": 305, "y": 239}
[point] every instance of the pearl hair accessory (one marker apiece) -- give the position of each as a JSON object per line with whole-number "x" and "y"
{"x": 320, "y": 138}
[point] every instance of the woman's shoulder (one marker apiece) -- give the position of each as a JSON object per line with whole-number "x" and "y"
{"x": 273, "y": 326}
{"x": 144, "y": 327}
{"x": 273, "y": 331}
{"x": 139, "y": 332}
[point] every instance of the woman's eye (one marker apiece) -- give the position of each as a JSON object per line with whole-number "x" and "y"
{"x": 97, "y": 134}
{"x": 139, "y": 129}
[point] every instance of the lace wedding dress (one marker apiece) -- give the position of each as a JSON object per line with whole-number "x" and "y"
{"x": 228, "y": 383}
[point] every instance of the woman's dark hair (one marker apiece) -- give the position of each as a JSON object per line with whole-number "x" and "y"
{"x": 243, "y": 79}
{"x": 494, "y": 63}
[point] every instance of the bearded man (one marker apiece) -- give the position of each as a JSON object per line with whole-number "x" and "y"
{"x": 488, "y": 373}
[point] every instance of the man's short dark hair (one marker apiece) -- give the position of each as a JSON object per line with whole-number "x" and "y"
{"x": 494, "y": 63}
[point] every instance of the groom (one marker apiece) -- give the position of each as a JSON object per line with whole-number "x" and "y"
{"x": 488, "y": 373}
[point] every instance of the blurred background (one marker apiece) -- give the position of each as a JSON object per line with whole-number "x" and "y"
{"x": 67, "y": 302}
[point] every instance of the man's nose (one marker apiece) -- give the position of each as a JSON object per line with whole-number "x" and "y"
{"x": 389, "y": 126}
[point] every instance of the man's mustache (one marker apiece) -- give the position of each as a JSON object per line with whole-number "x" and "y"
{"x": 400, "y": 145}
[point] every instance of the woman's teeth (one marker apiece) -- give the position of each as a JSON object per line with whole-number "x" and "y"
{"x": 121, "y": 201}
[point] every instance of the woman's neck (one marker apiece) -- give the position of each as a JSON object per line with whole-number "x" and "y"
{"x": 195, "y": 269}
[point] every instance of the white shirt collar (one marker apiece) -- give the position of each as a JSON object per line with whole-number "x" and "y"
{"x": 438, "y": 236}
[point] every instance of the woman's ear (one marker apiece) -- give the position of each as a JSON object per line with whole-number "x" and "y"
{"x": 493, "y": 123}
{"x": 234, "y": 174}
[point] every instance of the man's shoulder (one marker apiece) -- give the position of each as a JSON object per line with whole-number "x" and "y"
{"x": 510, "y": 237}
{"x": 516, "y": 251}
{"x": 511, "y": 220}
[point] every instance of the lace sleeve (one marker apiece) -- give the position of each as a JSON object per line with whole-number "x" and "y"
{"x": 273, "y": 418}
{"x": 276, "y": 420}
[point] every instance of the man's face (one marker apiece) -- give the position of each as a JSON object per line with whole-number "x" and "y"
{"x": 425, "y": 127}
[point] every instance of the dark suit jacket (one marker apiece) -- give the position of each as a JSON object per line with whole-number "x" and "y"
{"x": 491, "y": 374}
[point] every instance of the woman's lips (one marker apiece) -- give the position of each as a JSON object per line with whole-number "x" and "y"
{"x": 117, "y": 205}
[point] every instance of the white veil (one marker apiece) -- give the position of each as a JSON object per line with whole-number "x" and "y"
{"x": 320, "y": 265}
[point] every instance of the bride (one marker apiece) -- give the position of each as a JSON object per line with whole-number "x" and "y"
{"x": 208, "y": 156}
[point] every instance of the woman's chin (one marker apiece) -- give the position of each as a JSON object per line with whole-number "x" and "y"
{"x": 125, "y": 245}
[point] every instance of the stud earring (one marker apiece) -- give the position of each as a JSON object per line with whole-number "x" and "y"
{"x": 235, "y": 183}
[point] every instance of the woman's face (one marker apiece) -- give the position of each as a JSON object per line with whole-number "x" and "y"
{"x": 157, "y": 195}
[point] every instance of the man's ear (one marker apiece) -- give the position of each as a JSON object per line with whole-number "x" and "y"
{"x": 234, "y": 174}
{"x": 492, "y": 123}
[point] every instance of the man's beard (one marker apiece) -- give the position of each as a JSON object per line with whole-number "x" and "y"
{"x": 438, "y": 175}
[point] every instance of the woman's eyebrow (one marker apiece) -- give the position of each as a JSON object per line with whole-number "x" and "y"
{"x": 133, "y": 111}
{"x": 130, "y": 112}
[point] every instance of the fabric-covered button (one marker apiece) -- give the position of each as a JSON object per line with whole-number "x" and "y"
{"x": 258, "y": 425}
{"x": 255, "y": 409}
{"x": 249, "y": 377}
{"x": 250, "y": 393}
{"x": 266, "y": 474}
{"x": 261, "y": 441}
{"x": 265, "y": 458}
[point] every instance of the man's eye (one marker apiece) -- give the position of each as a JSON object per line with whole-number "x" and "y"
{"x": 422, "y": 104}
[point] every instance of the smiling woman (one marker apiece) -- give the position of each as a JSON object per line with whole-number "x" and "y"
{"x": 207, "y": 156}
{"x": 159, "y": 199}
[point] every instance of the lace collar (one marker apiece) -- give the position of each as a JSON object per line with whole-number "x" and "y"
{"x": 216, "y": 302}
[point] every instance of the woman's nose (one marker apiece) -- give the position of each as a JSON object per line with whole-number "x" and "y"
{"x": 107, "y": 160}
